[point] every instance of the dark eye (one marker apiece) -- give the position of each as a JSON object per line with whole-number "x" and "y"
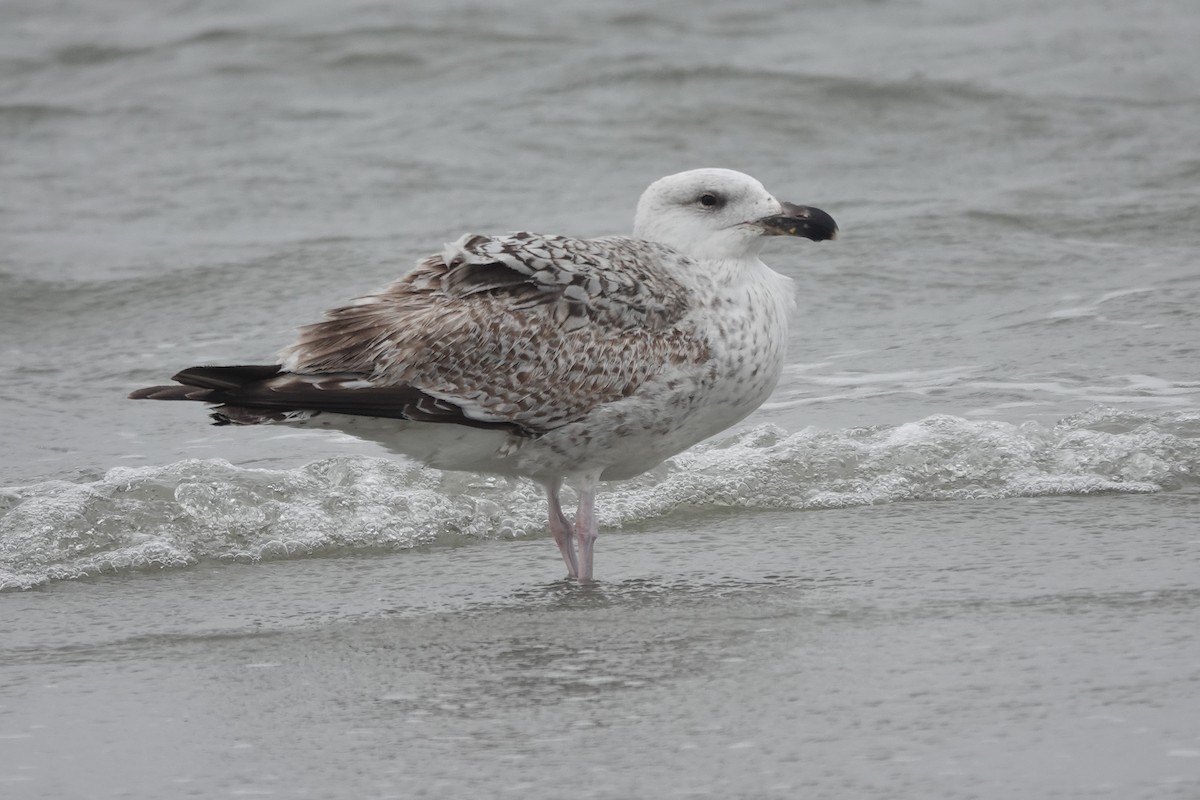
{"x": 710, "y": 200}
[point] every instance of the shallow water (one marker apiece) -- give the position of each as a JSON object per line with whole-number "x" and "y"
{"x": 1037, "y": 647}
{"x": 955, "y": 555}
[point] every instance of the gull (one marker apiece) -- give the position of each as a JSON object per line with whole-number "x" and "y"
{"x": 548, "y": 357}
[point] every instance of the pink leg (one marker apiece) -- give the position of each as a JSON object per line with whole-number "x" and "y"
{"x": 586, "y": 528}
{"x": 560, "y": 529}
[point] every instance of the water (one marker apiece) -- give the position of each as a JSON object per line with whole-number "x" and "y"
{"x": 954, "y": 556}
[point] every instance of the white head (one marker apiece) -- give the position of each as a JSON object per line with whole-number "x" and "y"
{"x": 721, "y": 214}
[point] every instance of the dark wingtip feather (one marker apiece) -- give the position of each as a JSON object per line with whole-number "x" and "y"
{"x": 226, "y": 377}
{"x": 199, "y": 383}
{"x": 253, "y": 395}
{"x": 170, "y": 393}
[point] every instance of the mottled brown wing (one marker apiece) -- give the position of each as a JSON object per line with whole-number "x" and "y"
{"x": 522, "y": 329}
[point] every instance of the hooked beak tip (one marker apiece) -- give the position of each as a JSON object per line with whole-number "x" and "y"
{"x": 806, "y": 221}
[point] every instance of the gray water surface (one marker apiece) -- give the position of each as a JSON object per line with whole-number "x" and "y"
{"x": 956, "y": 555}
{"x": 1040, "y": 649}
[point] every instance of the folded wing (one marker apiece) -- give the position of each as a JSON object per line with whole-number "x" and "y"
{"x": 523, "y": 332}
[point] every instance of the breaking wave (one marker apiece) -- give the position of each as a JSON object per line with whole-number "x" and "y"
{"x": 196, "y": 510}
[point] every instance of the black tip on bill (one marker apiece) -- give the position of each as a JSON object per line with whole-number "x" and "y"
{"x": 807, "y": 221}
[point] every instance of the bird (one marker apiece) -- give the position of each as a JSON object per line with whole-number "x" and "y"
{"x": 558, "y": 359}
